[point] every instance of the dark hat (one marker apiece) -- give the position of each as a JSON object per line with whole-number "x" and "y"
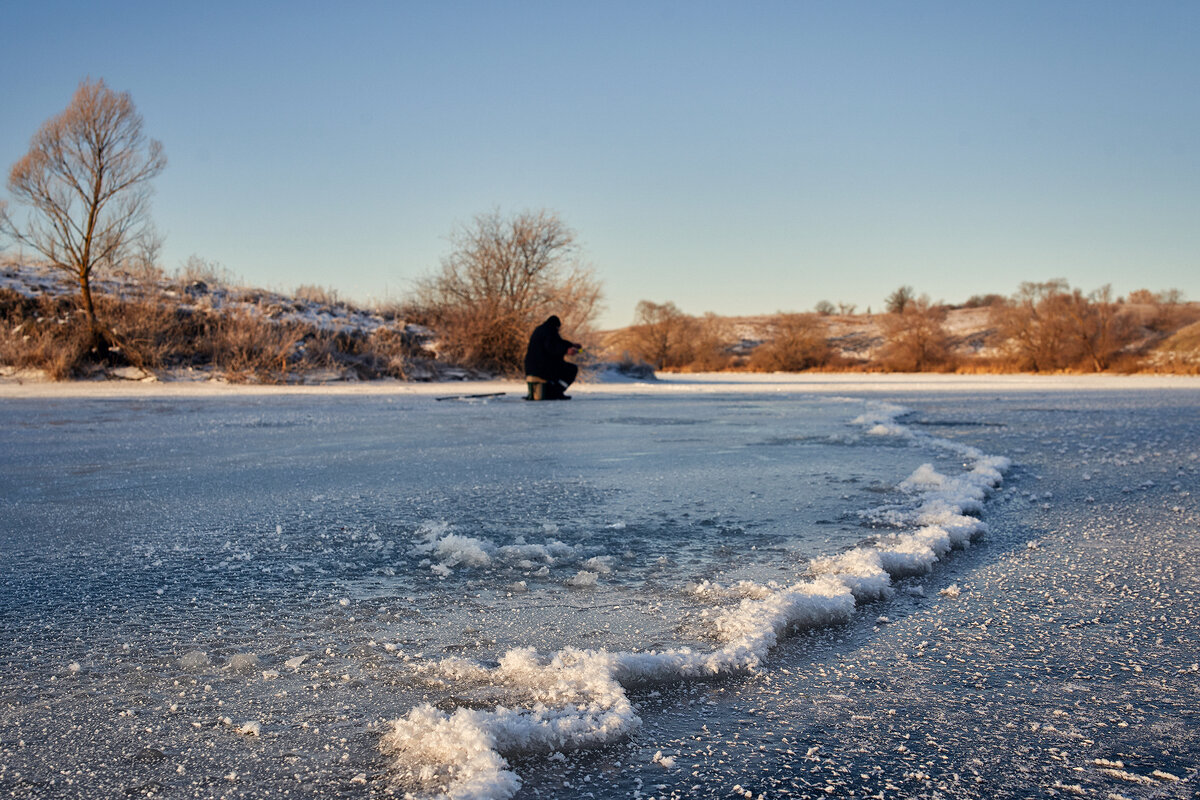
{"x": 554, "y": 321}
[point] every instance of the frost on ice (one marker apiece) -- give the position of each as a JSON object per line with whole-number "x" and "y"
{"x": 577, "y": 697}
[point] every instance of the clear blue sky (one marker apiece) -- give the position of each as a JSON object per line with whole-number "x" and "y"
{"x": 739, "y": 157}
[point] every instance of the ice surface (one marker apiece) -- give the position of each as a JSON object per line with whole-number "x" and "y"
{"x": 462, "y": 753}
{"x": 349, "y": 595}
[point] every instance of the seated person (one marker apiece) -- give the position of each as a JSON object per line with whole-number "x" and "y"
{"x": 544, "y": 359}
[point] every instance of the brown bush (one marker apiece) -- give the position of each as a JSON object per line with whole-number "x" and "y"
{"x": 384, "y": 353}
{"x": 505, "y": 276}
{"x": 658, "y": 335}
{"x": 45, "y": 333}
{"x": 983, "y": 300}
{"x": 915, "y": 338}
{"x": 1128, "y": 364}
{"x": 1163, "y": 312}
{"x": 152, "y": 334}
{"x": 668, "y": 339}
{"x": 246, "y": 347}
{"x": 798, "y": 342}
{"x": 1048, "y": 327}
{"x": 707, "y": 344}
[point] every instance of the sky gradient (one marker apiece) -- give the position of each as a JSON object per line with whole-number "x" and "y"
{"x": 741, "y": 158}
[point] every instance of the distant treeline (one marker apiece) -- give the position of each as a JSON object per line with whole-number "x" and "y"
{"x": 195, "y": 320}
{"x": 1044, "y": 327}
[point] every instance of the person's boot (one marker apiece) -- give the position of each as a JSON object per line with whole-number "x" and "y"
{"x": 555, "y": 390}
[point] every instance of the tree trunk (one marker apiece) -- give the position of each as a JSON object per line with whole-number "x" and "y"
{"x": 85, "y": 296}
{"x": 99, "y": 340}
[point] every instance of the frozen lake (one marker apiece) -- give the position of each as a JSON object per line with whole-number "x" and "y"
{"x": 709, "y": 587}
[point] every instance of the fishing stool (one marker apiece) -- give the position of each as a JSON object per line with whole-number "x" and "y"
{"x": 536, "y": 388}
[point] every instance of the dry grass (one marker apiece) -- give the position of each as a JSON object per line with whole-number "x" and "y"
{"x": 200, "y": 270}
{"x": 157, "y": 335}
{"x": 1179, "y": 354}
{"x": 317, "y": 294}
{"x": 43, "y": 333}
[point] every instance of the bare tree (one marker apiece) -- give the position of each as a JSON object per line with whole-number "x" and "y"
{"x": 666, "y": 338}
{"x": 504, "y": 276}
{"x": 1161, "y": 312}
{"x": 1144, "y": 297}
{"x": 1096, "y": 325}
{"x": 659, "y": 334}
{"x": 1031, "y": 325}
{"x": 824, "y": 308}
{"x": 143, "y": 263}
{"x": 708, "y": 340}
{"x": 983, "y": 300}
{"x": 916, "y": 337}
{"x": 1050, "y": 326}
{"x": 898, "y": 300}
{"x": 1171, "y": 297}
{"x": 86, "y": 182}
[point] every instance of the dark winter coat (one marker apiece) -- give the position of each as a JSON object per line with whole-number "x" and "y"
{"x": 544, "y": 358}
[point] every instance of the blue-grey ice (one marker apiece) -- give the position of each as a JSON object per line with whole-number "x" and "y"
{"x": 713, "y": 588}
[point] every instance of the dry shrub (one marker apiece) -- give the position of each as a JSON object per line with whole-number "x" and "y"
{"x": 209, "y": 272}
{"x": 59, "y": 351}
{"x": 1170, "y": 317}
{"x": 1048, "y": 327}
{"x": 916, "y": 339}
{"x": 983, "y": 300}
{"x": 489, "y": 338}
{"x": 396, "y": 349}
{"x": 798, "y": 342}
{"x": 151, "y": 333}
{"x": 1161, "y": 312}
{"x": 505, "y": 276}
{"x": 668, "y": 339}
{"x": 317, "y": 294}
{"x": 247, "y": 347}
{"x": 383, "y": 353}
{"x": 407, "y": 311}
{"x": 658, "y": 335}
{"x": 45, "y": 333}
{"x": 141, "y": 272}
{"x": 1128, "y": 364}
{"x": 51, "y": 334}
{"x": 708, "y": 340}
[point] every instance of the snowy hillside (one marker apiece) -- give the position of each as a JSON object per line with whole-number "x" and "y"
{"x": 341, "y": 329}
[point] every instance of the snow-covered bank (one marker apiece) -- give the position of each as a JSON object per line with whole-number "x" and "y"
{"x": 668, "y": 383}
